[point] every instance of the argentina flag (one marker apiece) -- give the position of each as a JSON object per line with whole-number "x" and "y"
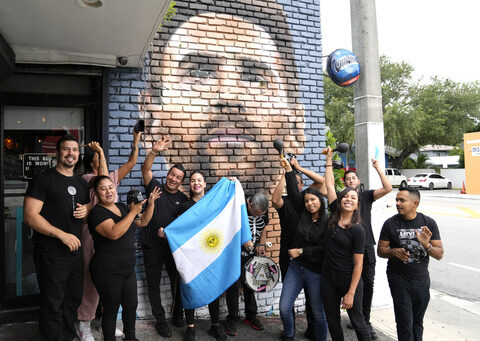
{"x": 206, "y": 243}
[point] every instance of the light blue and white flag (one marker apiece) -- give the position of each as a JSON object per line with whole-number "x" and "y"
{"x": 206, "y": 243}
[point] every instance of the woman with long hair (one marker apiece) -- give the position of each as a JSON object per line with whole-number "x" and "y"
{"x": 112, "y": 267}
{"x": 342, "y": 268}
{"x": 307, "y": 256}
{"x": 197, "y": 191}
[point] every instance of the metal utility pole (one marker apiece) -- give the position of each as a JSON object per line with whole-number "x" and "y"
{"x": 369, "y": 136}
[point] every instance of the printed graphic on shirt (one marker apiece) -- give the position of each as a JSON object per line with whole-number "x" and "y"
{"x": 408, "y": 240}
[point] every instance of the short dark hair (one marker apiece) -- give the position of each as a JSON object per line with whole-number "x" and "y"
{"x": 66, "y": 137}
{"x": 413, "y": 192}
{"x": 180, "y": 168}
{"x": 348, "y": 172}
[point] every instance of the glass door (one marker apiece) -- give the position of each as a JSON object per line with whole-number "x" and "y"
{"x": 30, "y": 136}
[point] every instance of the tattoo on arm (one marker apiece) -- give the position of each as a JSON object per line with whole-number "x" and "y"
{"x": 134, "y": 150}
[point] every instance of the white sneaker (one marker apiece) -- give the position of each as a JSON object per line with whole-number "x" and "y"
{"x": 83, "y": 331}
{"x": 118, "y": 333}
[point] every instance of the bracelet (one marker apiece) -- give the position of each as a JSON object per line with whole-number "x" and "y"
{"x": 154, "y": 153}
{"x": 328, "y": 165}
{"x": 429, "y": 247}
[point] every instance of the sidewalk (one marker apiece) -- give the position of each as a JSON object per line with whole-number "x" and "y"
{"x": 146, "y": 331}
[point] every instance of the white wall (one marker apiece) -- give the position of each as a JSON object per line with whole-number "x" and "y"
{"x": 456, "y": 176}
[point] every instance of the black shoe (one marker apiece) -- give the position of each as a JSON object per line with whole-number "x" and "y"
{"x": 309, "y": 333}
{"x": 373, "y": 335}
{"x": 231, "y": 327}
{"x": 189, "y": 334}
{"x": 349, "y": 326}
{"x": 217, "y": 332}
{"x": 162, "y": 328}
{"x": 254, "y": 322}
{"x": 283, "y": 337}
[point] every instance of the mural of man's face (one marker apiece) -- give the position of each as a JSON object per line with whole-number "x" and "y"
{"x": 225, "y": 94}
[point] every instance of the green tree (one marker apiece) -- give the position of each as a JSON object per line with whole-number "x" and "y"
{"x": 415, "y": 113}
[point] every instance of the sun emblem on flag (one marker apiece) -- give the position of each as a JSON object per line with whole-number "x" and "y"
{"x": 211, "y": 241}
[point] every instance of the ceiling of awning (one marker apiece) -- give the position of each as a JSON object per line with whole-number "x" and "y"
{"x": 89, "y": 32}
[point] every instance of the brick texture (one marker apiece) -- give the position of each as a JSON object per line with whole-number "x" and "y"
{"x": 225, "y": 79}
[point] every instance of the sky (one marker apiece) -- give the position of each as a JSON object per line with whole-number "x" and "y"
{"x": 436, "y": 37}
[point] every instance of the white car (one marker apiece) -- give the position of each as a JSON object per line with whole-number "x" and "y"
{"x": 396, "y": 178}
{"x": 430, "y": 181}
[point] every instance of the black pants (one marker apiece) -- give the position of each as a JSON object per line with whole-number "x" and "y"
{"x": 60, "y": 280}
{"x": 334, "y": 287}
{"x": 213, "y": 308}
{"x": 368, "y": 278}
{"x": 249, "y": 298}
{"x": 284, "y": 260}
{"x": 410, "y": 302}
{"x": 154, "y": 258}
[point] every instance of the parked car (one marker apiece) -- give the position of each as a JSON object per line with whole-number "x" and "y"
{"x": 430, "y": 181}
{"x": 396, "y": 178}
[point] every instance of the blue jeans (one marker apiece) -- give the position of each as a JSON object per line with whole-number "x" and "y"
{"x": 299, "y": 278}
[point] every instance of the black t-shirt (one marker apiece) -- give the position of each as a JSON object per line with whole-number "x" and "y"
{"x": 185, "y": 206}
{"x": 166, "y": 210}
{"x": 113, "y": 256}
{"x": 60, "y": 195}
{"x": 401, "y": 233}
{"x": 340, "y": 246}
{"x": 366, "y": 201}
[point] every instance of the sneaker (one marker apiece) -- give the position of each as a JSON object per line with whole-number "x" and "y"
{"x": 162, "y": 328}
{"x": 118, "y": 333}
{"x": 83, "y": 331}
{"x": 283, "y": 337}
{"x": 231, "y": 327}
{"x": 217, "y": 332}
{"x": 254, "y": 322}
{"x": 189, "y": 334}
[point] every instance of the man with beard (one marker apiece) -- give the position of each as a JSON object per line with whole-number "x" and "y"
{"x": 229, "y": 88}
{"x": 55, "y": 203}
{"x": 408, "y": 240}
{"x": 156, "y": 251}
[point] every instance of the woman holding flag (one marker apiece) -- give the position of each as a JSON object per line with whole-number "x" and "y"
{"x": 112, "y": 268}
{"x": 307, "y": 257}
{"x": 197, "y": 191}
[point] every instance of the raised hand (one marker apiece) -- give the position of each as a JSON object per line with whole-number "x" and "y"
{"x": 162, "y": 144}
{"x": 424, "y": 236}
{"x": 95, "y": 146}
{"x": 154, "y": 195}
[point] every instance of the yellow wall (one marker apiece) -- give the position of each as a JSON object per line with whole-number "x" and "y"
{"x": 471, "y": 143}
